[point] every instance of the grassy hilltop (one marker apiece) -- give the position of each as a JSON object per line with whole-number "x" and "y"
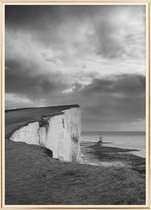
{"x": 32, "y": 177}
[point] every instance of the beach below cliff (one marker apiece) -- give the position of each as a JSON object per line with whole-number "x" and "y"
{"x": 106, "y": 156}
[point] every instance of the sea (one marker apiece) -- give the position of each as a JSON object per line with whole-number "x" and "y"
{"x": 126, "y": 140}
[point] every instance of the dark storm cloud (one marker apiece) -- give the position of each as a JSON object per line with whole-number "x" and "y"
{"x": 129, "y": 84}
{"x": 21, "y": 81}
{"x": 116, "y": 100}
{"x": 115, "y": 110}
{"x": 33, "y": 16}
{"x": 41, "y": 20}
{"x": 44, "y": 23}
{"x": 36, "y": 15}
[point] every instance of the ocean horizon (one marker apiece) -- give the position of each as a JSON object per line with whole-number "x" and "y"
{"x": 123, "y": 139}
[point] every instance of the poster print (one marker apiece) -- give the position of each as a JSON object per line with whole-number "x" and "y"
{"x": 75, "y": 104}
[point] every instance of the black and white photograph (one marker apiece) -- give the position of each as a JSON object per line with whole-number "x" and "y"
{"x": 75, "y": 104}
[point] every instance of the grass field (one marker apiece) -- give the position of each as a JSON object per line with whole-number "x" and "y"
{"x": 32, "y": 177}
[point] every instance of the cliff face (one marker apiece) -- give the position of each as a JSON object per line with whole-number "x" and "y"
{"x": 60, "y": 133}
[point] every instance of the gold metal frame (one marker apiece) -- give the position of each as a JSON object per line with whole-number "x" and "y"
{"x": 148, "y": 103}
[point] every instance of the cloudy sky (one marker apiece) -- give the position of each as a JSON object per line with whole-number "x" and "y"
{"x": 93, "y": 56}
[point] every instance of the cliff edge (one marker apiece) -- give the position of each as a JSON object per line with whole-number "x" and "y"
{"x": 55, "y": 128}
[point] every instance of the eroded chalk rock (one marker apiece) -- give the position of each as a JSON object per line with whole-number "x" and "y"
{"x": 59, "y": 133}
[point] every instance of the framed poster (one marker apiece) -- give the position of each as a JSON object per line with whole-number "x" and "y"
{"x": 75, "y": 105}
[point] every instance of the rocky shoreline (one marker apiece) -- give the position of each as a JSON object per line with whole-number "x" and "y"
{"x": 104, "y": 155}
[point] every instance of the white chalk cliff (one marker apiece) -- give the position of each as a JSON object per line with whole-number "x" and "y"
{"x": 60, "y": 133}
